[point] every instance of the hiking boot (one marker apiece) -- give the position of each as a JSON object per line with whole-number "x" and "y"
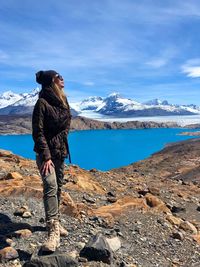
{"x": 53, "y": 240}
{"x": 63, "y": 231}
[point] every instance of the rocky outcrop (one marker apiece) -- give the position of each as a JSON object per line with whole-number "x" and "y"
{"x": 150, "y": 208}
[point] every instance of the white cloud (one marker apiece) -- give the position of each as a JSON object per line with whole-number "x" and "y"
{"x": 192, "y": 68}
{"x": 89, "y": 83}
{"x": 193, "y": 72}
{"x": 157, "y": 63}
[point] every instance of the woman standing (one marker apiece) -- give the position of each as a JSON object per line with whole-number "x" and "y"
{"x": 50, "y": 126}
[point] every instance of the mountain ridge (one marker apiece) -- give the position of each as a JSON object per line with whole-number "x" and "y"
{"x": 112, "y": 105}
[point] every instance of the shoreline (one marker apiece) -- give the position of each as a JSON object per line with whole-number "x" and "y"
{"x": 21, "y": 125}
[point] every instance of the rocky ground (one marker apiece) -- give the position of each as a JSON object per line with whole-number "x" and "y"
{"x": 150, "y": 209}
{"x": 196, "y": 133}
{"x": 14, "y": 124}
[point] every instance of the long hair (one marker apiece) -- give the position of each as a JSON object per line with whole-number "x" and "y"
{"x": 59, "y": 92}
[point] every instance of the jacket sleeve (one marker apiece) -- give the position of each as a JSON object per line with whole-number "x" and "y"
{"x": 69, "y": 118}
{"x": 38, "y": 130}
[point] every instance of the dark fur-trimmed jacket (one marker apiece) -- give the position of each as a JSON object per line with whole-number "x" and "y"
{"x": 50, "y": 126}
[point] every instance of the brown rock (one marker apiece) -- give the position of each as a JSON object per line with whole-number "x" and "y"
{"x": 68, "y": 205}
{"x": 120, "y": 206}
{"x": 26, "y": 214}
{"x": 197, "y": 238}
{"x": 14, "y": 175}
{"x": 84, "y": 182}
{"x": 188, "y": 227}
{"x": 24, "y": 233}
{"x": 8, "y": 253}
{"x": 156, "y": 203}
{"x": 10, "y": 242}
{"x": 21, "y": 211}
{"x": 5, "y": 153}
{"x": 154, "y": 190}
{"x": 173, "y": 220}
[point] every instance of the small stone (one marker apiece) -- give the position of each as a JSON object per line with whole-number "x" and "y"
{"x": 24, "y": 233}
{"x": 42, "y": 220}
{"x": 73, "y": 254}
{"x": 10, "y": 242}
{"x": 154, "y": 191}
{"x": 82, "y": 212}
{"x": 82, "y": 259}
{"x": 117, "y": 230}
{"x": 93, "y": 170}
{"x": 111, "y": 194}
{"x": 27, "y": 214}
{"x": 197, "y": 238}
{"x": 33, "y": 245}
{"x": 173, "y": 220}
{"x": 178, "y": 235}
{"x": 143, "y": 192}
{"x": 16, "y": 263}
{"x": 188, "y": 227}
{"x": 80, "y": 245}
{"x": 120, "y": 234}
{"x": 176, "y": 209}
{"x": 89, "y": 199}
{"x": 123, "y": 264}
{"x": 198, "y": 208}
{"x": 21, "y": 211}
{"x": 111, "y": 199}
{"x": 114, "y": 243}
{"x": 14, "y": 175}
{"x": 8, "y": 253}
{"x": 25, "y": 207}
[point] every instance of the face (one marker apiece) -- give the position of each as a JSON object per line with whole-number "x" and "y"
{"x": 59, "y": 81}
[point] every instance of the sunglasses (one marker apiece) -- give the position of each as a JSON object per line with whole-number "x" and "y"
{"x": 59, "y": 77}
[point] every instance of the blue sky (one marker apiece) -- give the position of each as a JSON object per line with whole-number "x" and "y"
{"x": 142, "y": 49}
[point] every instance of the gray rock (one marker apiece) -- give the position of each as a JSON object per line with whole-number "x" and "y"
{"x": 55, "y": 259}
{"x": 114, "y": 243}
{"x": 89, "y": 199}
{"x": 178, "y": 235}
{"x": 97, "y": 249}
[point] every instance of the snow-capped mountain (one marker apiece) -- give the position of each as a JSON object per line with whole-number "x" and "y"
{"x": 91, "y": 103}
{"x": 8, "y": 98}
{"x": 156, "y": 102}
{"x": 115, "y": 105}
{"x": 28, "y": 99}
{"x": 20, "y": 103}
{"x": 112, "y": 105}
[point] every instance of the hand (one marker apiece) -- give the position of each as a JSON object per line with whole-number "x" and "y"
{"x": 46, "y": 167}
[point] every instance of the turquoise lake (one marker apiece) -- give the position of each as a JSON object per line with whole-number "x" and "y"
{"x": 103, "y": 149}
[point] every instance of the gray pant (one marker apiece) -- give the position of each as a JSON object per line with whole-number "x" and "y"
{"x": 52, "y": 184}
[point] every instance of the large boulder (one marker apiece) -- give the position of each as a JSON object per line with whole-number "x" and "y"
{"x": 97, "y": 249}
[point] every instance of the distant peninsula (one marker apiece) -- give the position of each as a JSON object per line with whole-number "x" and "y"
{"x": 21, "y": 124}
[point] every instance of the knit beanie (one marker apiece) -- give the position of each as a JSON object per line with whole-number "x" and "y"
{"x": 45, "y": 77}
